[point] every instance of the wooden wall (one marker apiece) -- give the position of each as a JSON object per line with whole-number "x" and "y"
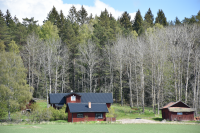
{"x": 187, "y": 116}
{"x": 68, "y": 99}
{"x": 90, "y": 117}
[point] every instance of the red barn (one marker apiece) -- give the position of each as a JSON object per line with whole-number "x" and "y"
{"x": 177, "y": 111}
{"x": 83, "y": 106}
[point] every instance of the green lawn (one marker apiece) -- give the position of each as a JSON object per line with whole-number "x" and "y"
{"x": 42, "y": 103}
{"x": 101, "y": 128}
{"x": 132, "y": 113}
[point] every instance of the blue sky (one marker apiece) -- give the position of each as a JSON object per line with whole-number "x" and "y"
{"x": 40, "y": 8}
{"x": 171, "y": 8}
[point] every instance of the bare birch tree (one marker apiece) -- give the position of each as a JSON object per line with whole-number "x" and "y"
{"x": 89, "y": 56}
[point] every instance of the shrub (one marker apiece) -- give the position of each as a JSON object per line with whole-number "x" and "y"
{"x": 63, "y": 115}
{"x": 3, "y": 109}
{"x": 55, "y": 113}
{"x": 111, "y": 112}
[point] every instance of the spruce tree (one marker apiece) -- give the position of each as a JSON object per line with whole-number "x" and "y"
{"x": 161, "y": 19}
{"x": 138, "y": 22}
{"x": 125, "y": 21}
{"x": 30, "y": 24}
{"x": 4, "y": 31}
{"x": 72, "y": 14}
{"x": 149, "y": 18}
{"x": 177, "y": 21}
{"x": 198, "y": 17}
{"x": 61, "y": 23}
{"x": 53, "y": 16}
{"x": 82, "y": 16}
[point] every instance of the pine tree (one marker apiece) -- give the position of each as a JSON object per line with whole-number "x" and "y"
{"x": 149, "y": 18}
{"x": 191, "y": 20}
{"x": 102, "y": 29}
{"x": 53, "y": 16}
{"x": 4, "y": 31}
{"x": 20, "y": 34}
{"x": 31, "y": 25}
{"x": 177, "y": 21}
{"x": 198, "y": 17}
{"x": 161, "y": 19}
{"x": 72, "y": 15}
{"x": 125, "y": 21}
{"x": 61, "y": 23}
{"x": 138, "y": 22}
{"x": 82, "y": 16}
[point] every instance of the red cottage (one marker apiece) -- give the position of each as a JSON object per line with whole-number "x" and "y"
{"x": 177, "y": 111}
{"x": 83, "y": 106}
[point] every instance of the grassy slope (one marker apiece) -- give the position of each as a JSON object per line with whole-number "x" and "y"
{"x": 42, "y": 103}
{"x": 127, "y": 112}
{"x": 101, "y": 128}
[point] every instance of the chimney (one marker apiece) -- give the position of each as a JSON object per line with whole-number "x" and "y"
{"x": 89, "y": 105}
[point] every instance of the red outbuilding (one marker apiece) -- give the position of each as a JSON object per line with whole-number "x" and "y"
{"x": 177, "y": 111}
{"x": 83, "y": 106}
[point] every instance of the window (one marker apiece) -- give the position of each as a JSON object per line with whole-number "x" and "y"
{"x": 179, "y": 113}
{"x": 80, "y": 115}
{"x": 73, "y": 98}
{"x": 99, "y": 115}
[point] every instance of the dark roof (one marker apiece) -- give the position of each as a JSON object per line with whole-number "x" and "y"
{"x": 83, "y": 107}
{"x": 85, "y": 97}
{"x": 59, "y": 105}
{"x": 57, "y": 98}
{"x": 72, "y": 93}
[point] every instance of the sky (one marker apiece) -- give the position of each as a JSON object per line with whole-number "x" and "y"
{"x": 40, "y": 8}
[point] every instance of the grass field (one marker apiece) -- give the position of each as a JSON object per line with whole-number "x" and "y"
{"x": 132, "y": 113}
{"x": 101, "y": 128}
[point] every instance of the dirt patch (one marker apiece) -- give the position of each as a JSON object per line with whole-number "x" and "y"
{"x": 126, "y": 121}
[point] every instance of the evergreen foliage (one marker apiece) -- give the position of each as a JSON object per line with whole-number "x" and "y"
{"x": 82, "y": 16}
{"x": 55, "y": 60}
{"x": 177, "y": 21}
{"x": 137, "y": 26}
{"x": 73, "y": 16}
{"x": 53, "y": 16}
{"x": 161, "y": 19}
{"x": 125, "y": 21}
{"x": 149, "y": 18}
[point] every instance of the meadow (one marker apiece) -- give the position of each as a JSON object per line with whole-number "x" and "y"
{"x": 62, "y": 126}
{"x": 100, "y": 128}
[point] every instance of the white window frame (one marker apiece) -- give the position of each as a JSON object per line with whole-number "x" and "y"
{"x": 73, "y": 98}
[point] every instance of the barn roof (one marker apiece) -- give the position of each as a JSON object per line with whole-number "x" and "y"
{"x": 85, "y": 97}
{"x": 181, "y": 109}
{"x": 173, "y": 104}
{"x": 168, "y": 105}
{"x": 83, "y": 107}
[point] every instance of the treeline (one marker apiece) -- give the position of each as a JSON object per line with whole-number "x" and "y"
{"x": 144, "y": 62}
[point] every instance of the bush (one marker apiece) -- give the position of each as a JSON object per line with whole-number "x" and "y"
{"x": 111, "y": 112}
{"x": 63, "y": 115}
{"x": 3, "y": 110}
{"x": 58, "y": 114}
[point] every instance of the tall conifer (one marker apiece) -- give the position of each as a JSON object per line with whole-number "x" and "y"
{"x": 161, "y": 19}
{"x": 137, "y": 22}
{"x": 149, "y": 18}
{"x": 82, "y": 16}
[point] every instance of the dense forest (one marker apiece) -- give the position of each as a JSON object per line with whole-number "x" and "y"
{"x": 146, "y": 62}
